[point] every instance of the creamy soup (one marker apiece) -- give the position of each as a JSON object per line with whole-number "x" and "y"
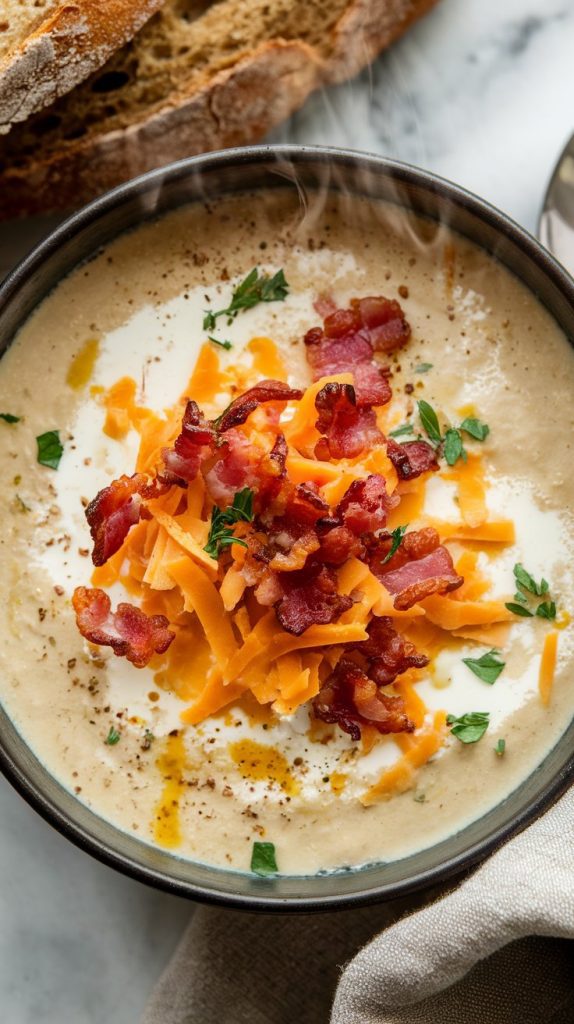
{"x": 482, "y": 348}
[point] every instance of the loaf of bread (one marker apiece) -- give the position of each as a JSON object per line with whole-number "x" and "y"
{"x": 197, "y": 77}
{"x": 47, "y": 47}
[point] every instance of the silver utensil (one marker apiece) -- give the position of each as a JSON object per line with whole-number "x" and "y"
{"x": 556, "y": 224}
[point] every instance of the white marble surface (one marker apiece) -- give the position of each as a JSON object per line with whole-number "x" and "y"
{"x": 482, "y": 93}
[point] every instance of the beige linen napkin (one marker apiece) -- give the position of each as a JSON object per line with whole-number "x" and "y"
{"x": 494, "y": 950}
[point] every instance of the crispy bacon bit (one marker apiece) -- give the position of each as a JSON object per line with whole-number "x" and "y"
{"x": 350, "y": 700}
{"x": 338, "y": 544}
{"x": 305, "y": 503}
{"x": 347, "y": 429}
{"x": 415, "y": 544}
{"x": 365, "y": 505}
{"x": 384, "y": 320}
{"x": 348, "y": 340}
{"x": 291, "y": 543}
{"x": 115, "y": 509}
{"x": 387, "y": 654}
{"x": 421, "y": 572}
{"x": 265, "y": 391}
{"x": 272, "y": 472}
{"x": 310, "y": 599}
{"x": 195, "y": 443}
{"x": 351, "y": 353}
{"x": 412, "y": 458}
{"x": 238, "y": 466}
{"x": 128, "y": 631}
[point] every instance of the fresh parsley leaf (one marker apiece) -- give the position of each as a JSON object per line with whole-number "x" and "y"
{"x": 518, "y": 609}
{"x": 222, "y": 521}
{"x": 488, "y": 667}
{"x": 500, "y": 748}
{"x": 406, "y": 428}
{"x": 263, "y": 860}
{"x": 50, "y": 449}
{"x": 423, "y": 367}
{"x": 453, "y": 446}
{"x": 469, "y": 728}
{"x": 475, "y": 428}
{"x": 546, "y": 610}
{"x": 397, "y": 536}
{"x": 9, "y": 418}
{"x": 113, "y": 737}
{"x": 519, "y": 596}
{"x": 255, "y": 288}
{"x": 222, "y": 344}
{"x": 429, "y": 421}
{"x": 527, "y": 582}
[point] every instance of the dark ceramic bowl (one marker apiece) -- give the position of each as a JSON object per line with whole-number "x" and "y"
{"x": 79, "y": 238}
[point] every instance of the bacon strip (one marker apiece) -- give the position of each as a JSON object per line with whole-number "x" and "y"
{"x": 115, "y": 509}
{"x": 412, "y": 458}
{"x": 365, "y": 505}
{"x": 245, "y": 404}
{"x": 421, "y": 567}
{"x": 387, "y": 654}
{"x": 128, "y": 631}
{"x": 348, "y": 340}
{"x": 348, "y": 430}
{"x": 195, "y": 443}
{"x": 350, "y": 700}
{"x": 310, "y": 599}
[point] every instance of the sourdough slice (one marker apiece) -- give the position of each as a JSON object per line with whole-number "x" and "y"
{"x": 197, "y": 77}
{"x": 47, "y": 47}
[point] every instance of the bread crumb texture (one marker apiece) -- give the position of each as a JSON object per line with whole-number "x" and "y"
{"x": 171, "y": 75}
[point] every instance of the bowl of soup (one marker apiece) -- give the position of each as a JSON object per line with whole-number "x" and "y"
{"x": 287, "y": 546}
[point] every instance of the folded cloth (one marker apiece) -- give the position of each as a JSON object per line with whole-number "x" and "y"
{"x": 495, "y": 950}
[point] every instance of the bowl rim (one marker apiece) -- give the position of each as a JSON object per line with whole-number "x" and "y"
{"x": 453, "y": 866}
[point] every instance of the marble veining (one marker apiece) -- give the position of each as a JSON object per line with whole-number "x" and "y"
{"x": 480, "y": 92}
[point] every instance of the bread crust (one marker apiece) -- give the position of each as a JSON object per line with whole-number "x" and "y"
{"x": 237, "y": 106}
{"x": 64, "y": 48}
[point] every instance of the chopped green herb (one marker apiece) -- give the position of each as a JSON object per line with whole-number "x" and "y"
{"x": 9, "y": 418}
{"x": 50, "y": 449}
{"x": 429, "y": 421}
{"x": 469, "y": 728}
{"x": 423, "y": 367}
{"x": 397, "y": 536}
{"x": 406, "y": 428}
{"x": 488, "y": 667}
{"x": 222, "y": 344}
{"x": 419, "y": 798}
{"x": 519, "y": 596}
{"x": 546, "y": 610}
{"x": 222, "y": 521}
{"x": 500, "y": 748}
{"x": 113, "y": 737}
{"x": 254, "y": 289}
{"x": 527, "y": 582}
{"x": 453, "y": 446}
{"x": 518, "y": 609}
{"x": 475, "y": 428}
{"x": 263, "y": 860}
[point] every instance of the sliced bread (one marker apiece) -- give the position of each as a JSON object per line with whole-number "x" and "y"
{"x": 197, "y": 77}
{"x": 47, "y": 47}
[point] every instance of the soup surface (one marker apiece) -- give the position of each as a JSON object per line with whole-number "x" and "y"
{"x": 481, "y": 350}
